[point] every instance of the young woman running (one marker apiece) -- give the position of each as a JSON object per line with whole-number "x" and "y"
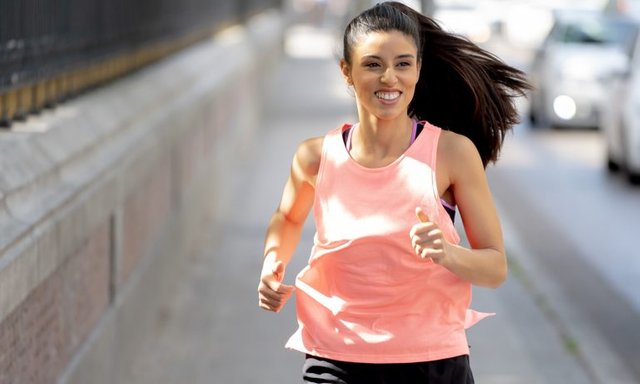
{"x": 385, "y": 296}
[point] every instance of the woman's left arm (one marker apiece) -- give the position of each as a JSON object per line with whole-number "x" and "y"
{"x": 484, "y": 263}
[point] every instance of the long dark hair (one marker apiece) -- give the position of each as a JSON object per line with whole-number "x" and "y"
{"x": 462, "y": 87}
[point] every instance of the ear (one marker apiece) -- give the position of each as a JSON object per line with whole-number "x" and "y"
{"x": 346, "y": 72}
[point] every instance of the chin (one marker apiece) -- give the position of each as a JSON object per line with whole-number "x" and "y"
{"x": 388, "y": 115}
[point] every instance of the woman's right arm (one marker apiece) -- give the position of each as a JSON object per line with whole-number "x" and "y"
{"x": 285, "y": 227}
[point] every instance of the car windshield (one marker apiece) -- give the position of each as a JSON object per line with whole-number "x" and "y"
{"x": 597, "y": 31}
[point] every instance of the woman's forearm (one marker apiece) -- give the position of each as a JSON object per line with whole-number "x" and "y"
{"x": 481, "y": 267}
{"x": 282, "y": 238}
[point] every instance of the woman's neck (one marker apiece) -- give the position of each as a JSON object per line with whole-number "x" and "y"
{"x": 378, "y": 141}
{"x": 374, "y": 132}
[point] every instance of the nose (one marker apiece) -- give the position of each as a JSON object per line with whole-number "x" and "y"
{"x": 389, "y": 76}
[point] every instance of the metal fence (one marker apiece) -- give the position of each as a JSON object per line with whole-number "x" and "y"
{"x": 51, "y": 50}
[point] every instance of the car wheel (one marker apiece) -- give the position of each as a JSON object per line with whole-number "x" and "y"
{"x": 538, "y": 119}
{"x": 612, "y": 165}
{"x": 633, "y": 177}
{"x": 532, "y": 112}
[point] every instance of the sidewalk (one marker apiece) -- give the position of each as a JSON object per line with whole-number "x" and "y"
{"x": 212, "y": 330}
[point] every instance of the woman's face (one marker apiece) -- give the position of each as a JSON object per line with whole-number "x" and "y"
{"x": 384, "y": 71}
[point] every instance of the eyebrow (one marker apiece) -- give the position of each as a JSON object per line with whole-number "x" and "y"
{"x": 405, "y": 56}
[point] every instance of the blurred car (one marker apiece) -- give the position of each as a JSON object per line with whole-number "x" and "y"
{"x": 570, "y": 69}
{"x": 620, "y": 121}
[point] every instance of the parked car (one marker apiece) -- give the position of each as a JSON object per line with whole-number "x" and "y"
{"x": 620, "y": 120}
{"x": 570, "y": 69}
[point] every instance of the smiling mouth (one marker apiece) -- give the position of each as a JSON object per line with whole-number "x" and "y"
{"x": 389, "y": 96}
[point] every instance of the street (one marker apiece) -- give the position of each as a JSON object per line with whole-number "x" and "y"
{"x": 562, "y": 175}
{"x": 579, "y": 224}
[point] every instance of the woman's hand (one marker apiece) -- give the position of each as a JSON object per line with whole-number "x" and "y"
{"x": 272, "y": 293}
{"x": 427, "y": 239}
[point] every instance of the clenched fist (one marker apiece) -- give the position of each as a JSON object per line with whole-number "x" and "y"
{"x": 272, "y": 293}
{"x": 427, "y": 238}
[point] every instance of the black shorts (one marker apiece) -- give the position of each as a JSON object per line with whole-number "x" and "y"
{"x": 455, "y": 370}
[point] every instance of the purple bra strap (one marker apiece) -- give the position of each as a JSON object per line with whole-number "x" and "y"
{"x": 414, "y": 132}
{"x": 349, "y": 135}
{"x": 446, "y": 204}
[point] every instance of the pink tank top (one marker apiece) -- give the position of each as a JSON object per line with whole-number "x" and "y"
{"x": 365, "y": 296}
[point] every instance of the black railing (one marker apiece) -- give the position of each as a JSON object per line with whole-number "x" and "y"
{"x": 51, "y": 50}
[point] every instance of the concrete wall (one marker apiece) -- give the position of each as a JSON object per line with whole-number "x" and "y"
{"x": 102, "y": 198}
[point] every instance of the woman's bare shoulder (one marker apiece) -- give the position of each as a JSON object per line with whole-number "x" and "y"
{"x": 308, "y": 156}
{"x": 458, "y": 157}
{"x": 455, "y": 147}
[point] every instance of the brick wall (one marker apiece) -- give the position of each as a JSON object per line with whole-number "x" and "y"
{"x": 146, "y": 211}
{"x": 39, "y": 337}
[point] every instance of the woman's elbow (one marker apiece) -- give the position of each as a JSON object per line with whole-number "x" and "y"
{"x": 500, "y": 274}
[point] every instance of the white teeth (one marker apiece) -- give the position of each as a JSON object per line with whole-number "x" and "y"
{"x": 388, "y": 95}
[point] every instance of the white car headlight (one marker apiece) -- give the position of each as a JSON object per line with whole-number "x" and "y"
{"x": 564, "y": 107}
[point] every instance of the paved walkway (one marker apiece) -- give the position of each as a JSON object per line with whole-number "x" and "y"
{"x": 212, "y": 330}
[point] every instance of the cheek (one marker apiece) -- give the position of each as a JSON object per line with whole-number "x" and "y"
{"x": 365, "y": 83}
{"x": 411, "y": 80}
